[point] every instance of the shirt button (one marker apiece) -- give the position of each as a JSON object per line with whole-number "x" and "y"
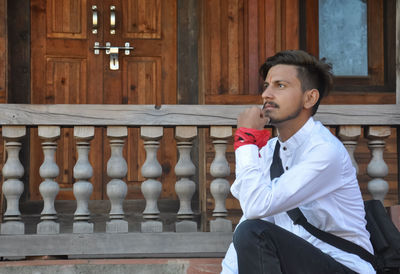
{"x": 287, "y": 168}
{"x": 284, "y": 148}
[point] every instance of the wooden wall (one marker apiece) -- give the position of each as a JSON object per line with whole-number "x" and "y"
{"x": 237, "y": 36}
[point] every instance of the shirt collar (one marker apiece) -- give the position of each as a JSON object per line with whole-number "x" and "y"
{"x": 300, "y": 136}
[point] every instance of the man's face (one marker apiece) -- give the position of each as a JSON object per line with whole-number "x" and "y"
{"x": 283, "y": 97}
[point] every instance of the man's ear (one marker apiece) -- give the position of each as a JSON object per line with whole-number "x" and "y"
{"x": 311, "y": 98}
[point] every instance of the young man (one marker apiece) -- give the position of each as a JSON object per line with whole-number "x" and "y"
{"x": 318, "y": 177}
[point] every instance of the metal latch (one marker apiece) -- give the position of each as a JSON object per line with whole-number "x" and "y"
{"x": 113, "y": 52}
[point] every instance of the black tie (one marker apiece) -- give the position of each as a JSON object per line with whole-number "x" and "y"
{"x": 276, "y": 168}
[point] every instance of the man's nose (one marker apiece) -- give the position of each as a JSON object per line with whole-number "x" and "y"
{"x": 267, "y": 93}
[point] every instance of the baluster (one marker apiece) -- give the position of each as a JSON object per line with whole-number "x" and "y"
{"x": 377, "y": 168}
{"x": 185, "y": 187}
{"x": 83, "y": 171}
{"x": 49, "y": 187}
{"x": 117, "y": 188}
{"x": 220, "y": 186}
{"x": 13, "y": 186}
{"x": 349, "y": 136}
{"x": 151, "y": 169}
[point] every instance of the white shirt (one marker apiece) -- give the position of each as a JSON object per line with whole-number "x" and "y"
{"x": 319, "y": 178}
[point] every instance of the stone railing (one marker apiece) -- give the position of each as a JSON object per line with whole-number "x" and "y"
{"x": 117, "y": 240}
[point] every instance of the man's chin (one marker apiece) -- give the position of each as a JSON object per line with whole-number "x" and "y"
{"x": 274, "y": 122}
{"x": 268, "y": 115}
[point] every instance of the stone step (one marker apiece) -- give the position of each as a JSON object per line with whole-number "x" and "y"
{"x": 109, "y": 266}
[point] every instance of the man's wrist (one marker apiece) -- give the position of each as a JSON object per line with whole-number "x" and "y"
{"x": 246, "y": 136}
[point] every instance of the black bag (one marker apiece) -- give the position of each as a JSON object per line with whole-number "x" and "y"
{"x": 384, "y": 236}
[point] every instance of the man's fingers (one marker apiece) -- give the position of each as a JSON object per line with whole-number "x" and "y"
{"x": 252, "y": 118}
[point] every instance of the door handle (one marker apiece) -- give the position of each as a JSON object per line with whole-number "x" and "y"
{"x": 95, "y": 19}
{"x": 113, "y": 52}
{"x": 112, "y": 19}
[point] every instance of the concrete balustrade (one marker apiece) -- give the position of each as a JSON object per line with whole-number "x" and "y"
{"x": 220, "y": 120}
{"x": 117, "y": 188}
{"x": 220, "y": 186}
{"x": 49, "y": 187}
{"x": 349, "y": 136}
{"x": 184, "y": 169}
{"x": 151, "y": 187}
{"x": 377, "y": 168}
{"x": 83, "y": 171}
{"x": 13, "y": 186}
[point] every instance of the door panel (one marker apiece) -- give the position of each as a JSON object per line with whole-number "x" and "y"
{"x": 65, "y": 81}
{"x": 66, "y": 19}
{"x": 144, "y": 74}
{"x": 65, "y": 70}
{"x": 142, "y": 19}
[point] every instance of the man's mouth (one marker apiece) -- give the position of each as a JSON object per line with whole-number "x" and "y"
{"x": 270, "y": 105}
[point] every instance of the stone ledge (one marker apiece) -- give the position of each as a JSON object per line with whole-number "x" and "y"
{"x": 112, "y": 245}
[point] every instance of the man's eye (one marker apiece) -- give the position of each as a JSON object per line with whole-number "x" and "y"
{"x": 281, "y": 85}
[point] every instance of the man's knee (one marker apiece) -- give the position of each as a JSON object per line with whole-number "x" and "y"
{"x": 248, "y": 233}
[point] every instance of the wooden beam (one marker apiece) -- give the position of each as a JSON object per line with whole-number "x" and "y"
{"x": 188, "y": 32}
{"x": 3, "y": 51}
{"x": 18, "y": 23}
{"x": 179, "y": 115}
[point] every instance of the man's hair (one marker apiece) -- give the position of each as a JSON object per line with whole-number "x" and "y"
{"x": 312, "y": 73}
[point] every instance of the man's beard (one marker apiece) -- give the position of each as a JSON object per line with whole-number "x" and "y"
{"x": 294, "y": 115}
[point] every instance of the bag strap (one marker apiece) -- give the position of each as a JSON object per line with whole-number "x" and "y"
{"x": 298, "y": 218}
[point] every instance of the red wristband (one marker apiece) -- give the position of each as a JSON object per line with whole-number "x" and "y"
{"x": 246, "y": 136}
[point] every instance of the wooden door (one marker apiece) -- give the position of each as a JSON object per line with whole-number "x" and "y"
{"x": 65, "y": 70}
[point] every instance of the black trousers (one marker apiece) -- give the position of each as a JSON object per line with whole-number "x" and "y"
{"x": 263, "y": 247}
